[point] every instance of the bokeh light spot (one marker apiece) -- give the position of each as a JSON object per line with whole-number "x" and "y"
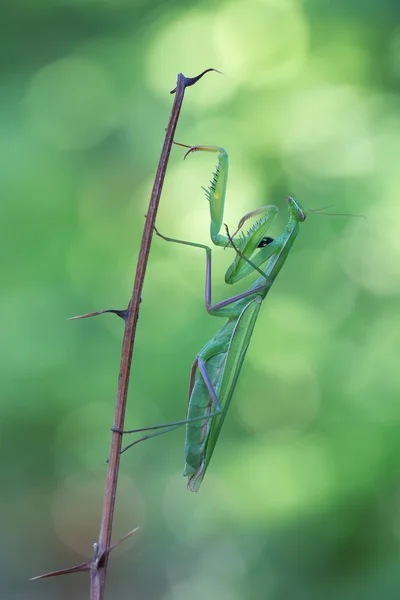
{"x": 278, "y": 406}
{"x": 375, "y": 265}
{"x": 200, "y": 587}
{"x": 71, "y": 104}
{"x": 278, "y": 481}
{"x": 263, "y": 42}
{"x": 76, "y": 509}
{"x": 325, "y": 132}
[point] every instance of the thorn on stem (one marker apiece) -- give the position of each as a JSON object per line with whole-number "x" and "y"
{"x": 75, "y": 569}
{"x": 86, "y": 566}
{"x": 120, "y": 313}
{"x": 192, "y": 80}
{"x": 124, "y": 537}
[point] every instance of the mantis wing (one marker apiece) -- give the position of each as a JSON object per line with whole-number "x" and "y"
{"x": 234, "y": 360}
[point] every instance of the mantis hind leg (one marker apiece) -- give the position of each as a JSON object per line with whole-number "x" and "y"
{"x": 206, "y": 378}
{"x": 167, "y": 427}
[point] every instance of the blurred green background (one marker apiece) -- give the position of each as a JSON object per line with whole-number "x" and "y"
{"x": 302, "y": 498}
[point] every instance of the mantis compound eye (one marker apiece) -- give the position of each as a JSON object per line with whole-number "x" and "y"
{"x": 265, "y": 241}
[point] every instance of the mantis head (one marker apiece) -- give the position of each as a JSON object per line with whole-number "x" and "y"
{"x": 296, "y": 210}
{"x": 255, "y": 239}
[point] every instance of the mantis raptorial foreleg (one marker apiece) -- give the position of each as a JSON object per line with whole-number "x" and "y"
{"x": 167, "y": 427}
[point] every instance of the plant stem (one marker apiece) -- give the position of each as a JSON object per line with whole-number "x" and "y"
{"x": 98, "y": 565}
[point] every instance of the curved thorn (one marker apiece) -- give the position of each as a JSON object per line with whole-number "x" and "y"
{"x": 120, "y": 313}
{"x": 188, "y": 81}
{"x": 76, "y": 569}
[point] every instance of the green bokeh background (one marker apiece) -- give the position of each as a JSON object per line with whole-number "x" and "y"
{"x": 302, "y": 499}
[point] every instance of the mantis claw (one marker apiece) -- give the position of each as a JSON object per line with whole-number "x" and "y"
{"x": 202, "y": 149}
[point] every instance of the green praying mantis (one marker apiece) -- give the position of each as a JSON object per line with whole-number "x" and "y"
{"x": 216, "y": 368}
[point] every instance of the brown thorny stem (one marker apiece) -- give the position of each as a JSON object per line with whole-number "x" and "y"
{"x": 97, "y": 565}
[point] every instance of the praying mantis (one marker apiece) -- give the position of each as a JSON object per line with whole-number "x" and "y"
{"x": 216, "y": 368}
